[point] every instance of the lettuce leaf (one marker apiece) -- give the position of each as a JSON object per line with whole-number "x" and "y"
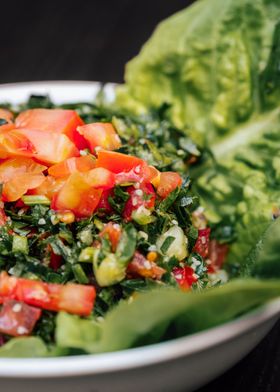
{"x": 29, "y": 347}
{"x": 165, "y": 314}
{"x": 205, "y": 62}
{"x": 263, "y": 261}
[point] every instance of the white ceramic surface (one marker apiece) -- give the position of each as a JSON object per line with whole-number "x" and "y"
{"x": 179, "y": 365}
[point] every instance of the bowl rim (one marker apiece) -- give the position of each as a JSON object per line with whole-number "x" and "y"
{"x": 135, "y": 357}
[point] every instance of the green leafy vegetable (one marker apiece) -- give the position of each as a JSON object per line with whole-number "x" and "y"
{"x": 204, "y": 62}
{"x": 30, "y": 347}
{"x": 164, "y": 314}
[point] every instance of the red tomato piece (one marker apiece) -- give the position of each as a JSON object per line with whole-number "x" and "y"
{"x": 78, "y": 195}
{"x": 72, "y": 165}
{"x": 217, "y": 255}
{"x": 168, "y": 181}
{"x": 202, "y": 242}
{"x": 117, "y": 162}
{"x": 3, "y": 217}
{"x": 100, "y": 135}
{"x": 140, "y": 266}
{"x": 100, "y": 178}
{"x": 50, "y": 147}
{"x": 53, "y": 120}
{"x": 72, "y": 298}
{"x": 185, "y": 277}
{"x": 17, "y": 318}
{"x": 49, "y": 187}
{"x": 113, "y": 232}
{"x": 13, "y": 167}
{"x": 6, "y": 127}
{"x": 104, "y": 204}
{"x": 18, "y": 175}
{"x": 13, "y": 143}
{"x": 13, "y": 190}
{"x": 142, "y": 196}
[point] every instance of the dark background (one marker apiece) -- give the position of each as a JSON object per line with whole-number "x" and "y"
{"x": 92, "y": 40}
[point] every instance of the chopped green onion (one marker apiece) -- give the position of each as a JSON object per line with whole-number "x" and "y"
{"x": 31, "y": 200}
{"x": 79, "y": 274}
{"x": 166, "y": 244}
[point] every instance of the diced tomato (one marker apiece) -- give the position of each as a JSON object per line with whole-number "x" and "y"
{"x": 153, "y": 176}
{"x": 14, "y": 143}
{"x": 104, "y": 204}
{"x": 55, "y": 260}
{"x": 5, "y": 114}
{"x": 117, "y": 162}
{"x": 217, "y": 255}
{"x": 72, "y": 298}
{"x": 49, "y": 147}
{"x": 72, "y": 165}
{"x": 143, "y": 196}
{"x": 13, "y": 167}
{"x": 13, "y": 190}
{"x": 113, "y": 232}
{"x": 202, "y": 242}
{"x": 168, "y": 182}
{"x": 185, "y": 277}
{"x": 100, "y": 178}
{"x": 100, "y": 135}
{"x": 18, "y": 175}
{"x": 78, "y": 195}
{"x": 49, "y": 187}
{"x": 3, "y": 217}
{"x": 17, "y": 318}
{"x": 140, "y": 266}
{"x": 53, "y": 120}
{"x": 6, "y": 127}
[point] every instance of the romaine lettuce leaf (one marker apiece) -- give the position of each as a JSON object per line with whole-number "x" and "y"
{"x": 205, "y": 61}
{"x": 29, "y": 347}
{"x": 165, "y": 314}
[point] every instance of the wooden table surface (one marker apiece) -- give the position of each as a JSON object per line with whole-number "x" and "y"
{"x": 92, "y": 40}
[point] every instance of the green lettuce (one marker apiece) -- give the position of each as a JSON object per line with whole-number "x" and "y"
{"x": 204, "y": 61}
{"x": 29, "y": 347}
{"x": 165, "y": 314}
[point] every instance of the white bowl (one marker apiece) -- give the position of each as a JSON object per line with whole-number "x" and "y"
{"x": 178, "y": 365}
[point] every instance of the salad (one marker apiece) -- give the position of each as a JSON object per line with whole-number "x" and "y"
{"x": 132, "y": 223}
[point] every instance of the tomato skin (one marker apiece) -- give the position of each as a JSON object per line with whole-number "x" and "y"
{"x": 140, "y": 266}
{"x": 17, "y": 318}
{"x": 184, "y": 276}
{"x": 113, "y": 232}
{"x": 168, "y": 182}
{"x": 202, "y": 243}
{"x": 71, "y": 165}
{"x": 136, "y": 200}
{"x": 117, "y": 162}
{"x": 53, "y": 120}
{"x": 72, "y": 298}
{"x": 100, "y": 135}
